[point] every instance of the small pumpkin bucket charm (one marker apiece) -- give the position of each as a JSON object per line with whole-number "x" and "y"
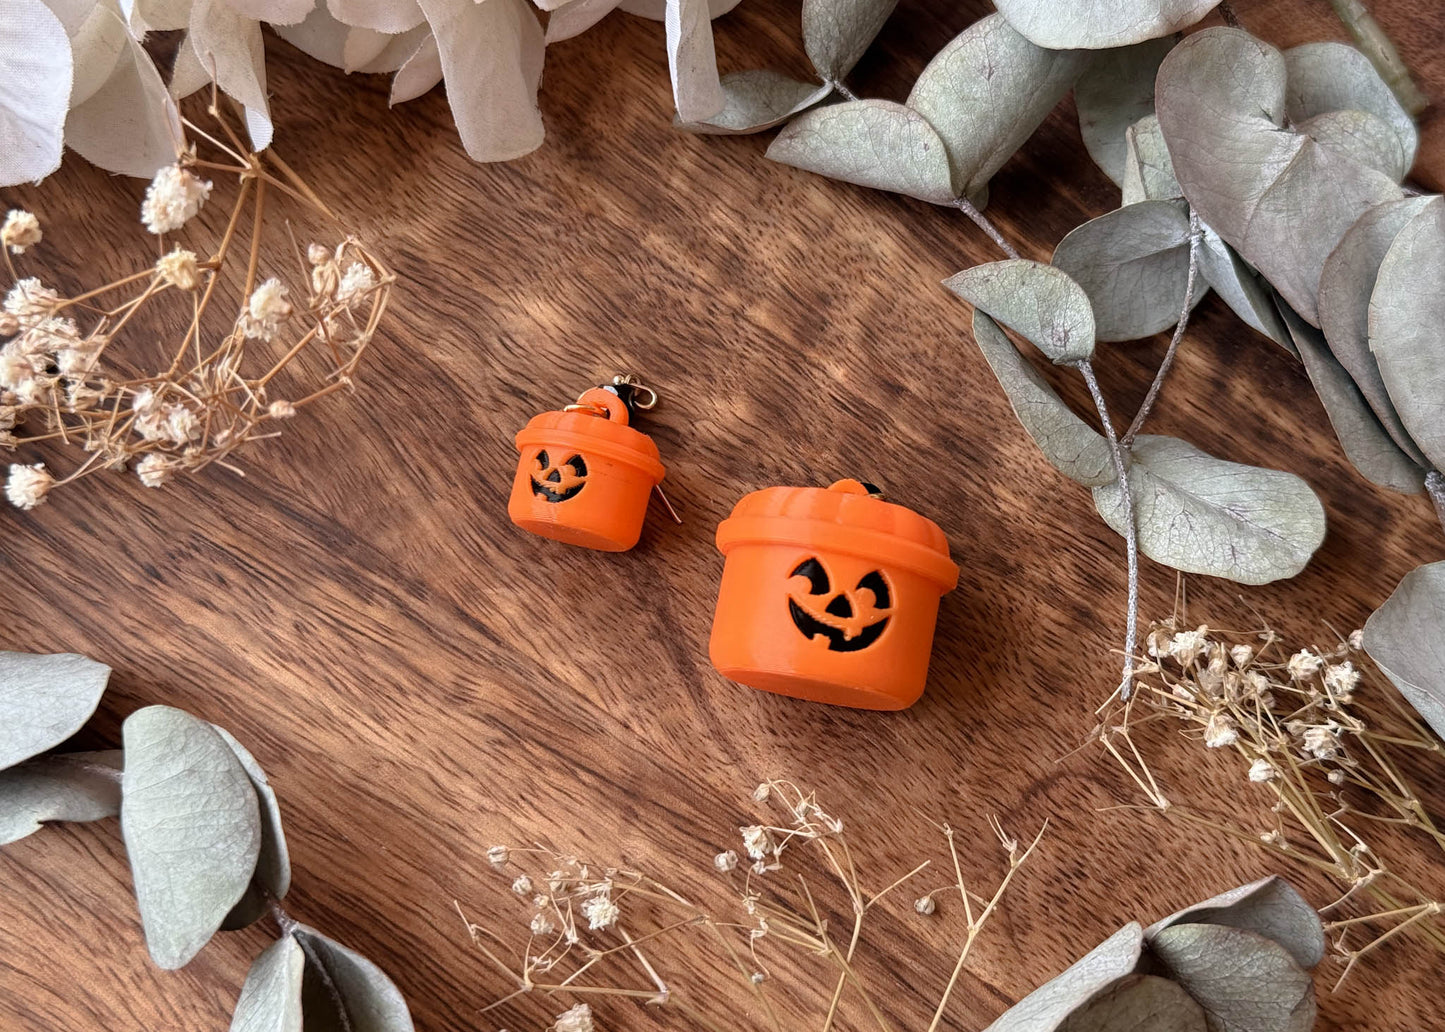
{"x": 830, "y": 595}
{"x": 585, "y": 474}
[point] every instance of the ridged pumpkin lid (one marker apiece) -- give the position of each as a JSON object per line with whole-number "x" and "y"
{"x": 596, "y": 435}
{"x": 845, "y": 518}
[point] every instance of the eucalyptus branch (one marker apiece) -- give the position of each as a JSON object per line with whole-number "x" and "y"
{"x": 1226, "y": 11}
{"x": 1164, "y": 366}
{"x": 1380, "y": 49}
{"x": 842, "y": 87}
{"x": 983, "y": 222}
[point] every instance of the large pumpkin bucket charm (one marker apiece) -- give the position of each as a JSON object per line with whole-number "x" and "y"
{"x": 830, "y": 595}
{"x": 585, "y": 475}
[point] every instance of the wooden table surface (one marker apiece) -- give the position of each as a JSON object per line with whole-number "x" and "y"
{"x": 422, "y": 680}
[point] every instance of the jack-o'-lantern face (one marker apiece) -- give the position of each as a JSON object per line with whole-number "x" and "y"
{"x": 849, "y": 617}
{"x": 559, "y": 482}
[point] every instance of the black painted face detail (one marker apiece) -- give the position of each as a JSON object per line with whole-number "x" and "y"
{"x": 849, "y": 620}
{"x": 557, "y": 483}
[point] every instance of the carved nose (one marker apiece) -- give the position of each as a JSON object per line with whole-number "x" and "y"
{"x": 554, "y": 477}
{"x": 840, "y": 607}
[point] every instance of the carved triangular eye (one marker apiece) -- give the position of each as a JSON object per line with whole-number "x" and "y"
{"x": 818, "y": 583}
{"x": 875, "y": 583}
{"x": 542, "y": 459}
{"x": 578, "y": 464}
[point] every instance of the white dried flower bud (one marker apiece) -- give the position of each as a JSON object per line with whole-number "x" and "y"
{"x": 575, "y": 1019}
{"x": 925, "y": 905}
{"x": 179, "y": 269}
{"x": 1357, "y": 639}
{"x": 541, "y": 925}
{"x": 761, "y": 793}
{"x": 1220, "y": 731}
{"x": 1320, "y": 742}
{"x": 757, "y": 978}
{"x": 27, "y": 486}
{"x": 600, "y": 912}
{"x": 1256, "y": 684}
{"x": 172, "y": 199}
{"x": 1336, "y": 777}
{"x": 9, "y": 325}
{"x": 756, "y": 841}
{"x": 498, "y": 855}
{"x": 357, "y": 280}
{"x": 20, "y": 230}
{"x": 1241, "y": 654}
{"x": 1262, "y": 771}
{"x": 316, "y": 254}
{"x": 30, "y": 302}
{"x": 155, "y": 469}
{"x": 1342, "y": 678}
{"x": 726, "y": 861}
{"x": 1271, "y": 838}
{"x": 760, "y": 867}
{"x": 16, "y": 367}
{"x": 1187, "y": 646}
{"x": 522, "y": 886}
{"x": 1304, "y": 664}
{"x": 281, "y": 410}
{"x": 265, "y": 310}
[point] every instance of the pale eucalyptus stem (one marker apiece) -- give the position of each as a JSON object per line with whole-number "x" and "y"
{"x": 1435, "y": 485}
{"x": 1380, "y": 49}
{"x": 982, "y": 221}
{"x": 1226, "y": 11}
{"x": 1179, "y": 327}
{"x": 842, "y": 88}
{"x": 289, "y": 926}
{"x": 1131, "y": 532}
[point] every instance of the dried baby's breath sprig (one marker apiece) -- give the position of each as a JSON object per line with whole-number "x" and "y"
{"x": 253, "y": 350}
{"x": 596, "y": 929}
{"x": 1320, "y": 734}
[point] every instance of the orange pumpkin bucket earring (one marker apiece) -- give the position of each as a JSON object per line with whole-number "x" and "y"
{"x": 585, "y": 474}
{"x": 830, "y": 595}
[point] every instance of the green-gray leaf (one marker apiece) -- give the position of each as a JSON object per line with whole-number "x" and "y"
{"x": 1048, "y": 1006}
{"x": 1275, "y": 195}
{"x": 372, "y": 1002}
{"x": 1071, "y": 446}
{"x": 1406, "y": 637}
{"x": 1269, "y": 907}
{"x": 1346, "y": 283}
{"x": 837, "y": 32}
{"x": 874, "y": 143}
{"x": 44, "y": 699}
{"x": 1367, "y": 444}
{"x": 192, "y": 827}
{"x": 1114, "y": 92}
{"x": 273, "y": 866}
{"x": 986, "y": 92}
{"x": 1407, "y": 328}
{"x": 1133, "y": 263}
{"x": 1138, "y": 1003}
{"x": 1361, "y": 137}
{"x": 68, "y": 787}
{"x": 1244, "y": 982}
{"x": 1148, "y": 172}
{"x": 1241, "y": 289}
{"x": 1037, "y": 301}
{"x": 1200, "y": 514}
{"x": 1096, "y": 25}
{"x": 1323, "y": 77}
{"x": 270, "y": 998}
{"x": 757, "y": 100}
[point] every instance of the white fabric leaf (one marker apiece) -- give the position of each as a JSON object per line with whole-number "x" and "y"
{"x": 390, "y": 16}
{"x": 398, "y": 48}
{"x": 162, "y": 15}
{"x": 131, "y": 124}
{"x": 656, "y": 10}
{"x": 696, "y": 88}
{"x": 230, "y": 46}
{"x": 491, "y": 56}
{"x": 576, "y": 17}
{"x": 95, "y": 47}
{"x": 274, "y": 12}
{"x": 421, "y": 72}
{"x": 34, "y": 91}
{"x": 323, "y": 37}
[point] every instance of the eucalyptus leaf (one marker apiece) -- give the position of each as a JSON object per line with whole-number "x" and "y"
{"x": 1242, "y": 289}
{"x": 273, "y": 866}
{"x": 1367, "y": 444}
{"x": 1113, "y": 93}
{"x": 1047, "y": 1007}
{"x": 1200, "y": 514}
{"x": 192, "y": 827}
{"x": 270, "y": 998}
{"x": 1275, "y": 195}
{"x": 1070, "y": 445}
{"x": 874, "y": 143}
{"x": 837, "y": 32}
{"x": 1346, "y": 283}
{"x": 986, "y": 92}
{"x": 1406, "y": 637}
{"x": 1148, "y": 172}
{"x": 1138, "y": 1003}
{"x": 1037, "y": 301}
{"x": 757, "y": 100}
{"x": 44, "y": 699}
{"x": 1269, "y": 907}
{"x": 1325, "y": 77}
{"x": 1361, "y": 137}
{"x": 1133, "y": 263}
{"x": 67, "y": 787}
{"x": 1101, "y": 23}
{"x": 1407, "y": 328}
{"x": 1244, "y": 982}
{"x": 692, "y": 60}
{"x": 372, "y": 1003}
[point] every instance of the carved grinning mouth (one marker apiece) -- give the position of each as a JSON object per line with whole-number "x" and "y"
{"x": 837, "y": 638}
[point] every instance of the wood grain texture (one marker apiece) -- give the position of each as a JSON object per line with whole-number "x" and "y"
{"x": 422, "y": 680}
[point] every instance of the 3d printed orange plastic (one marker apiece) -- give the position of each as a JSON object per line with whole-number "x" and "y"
{"x": 585, "y": 475}
{"x": 830, "y": 595}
